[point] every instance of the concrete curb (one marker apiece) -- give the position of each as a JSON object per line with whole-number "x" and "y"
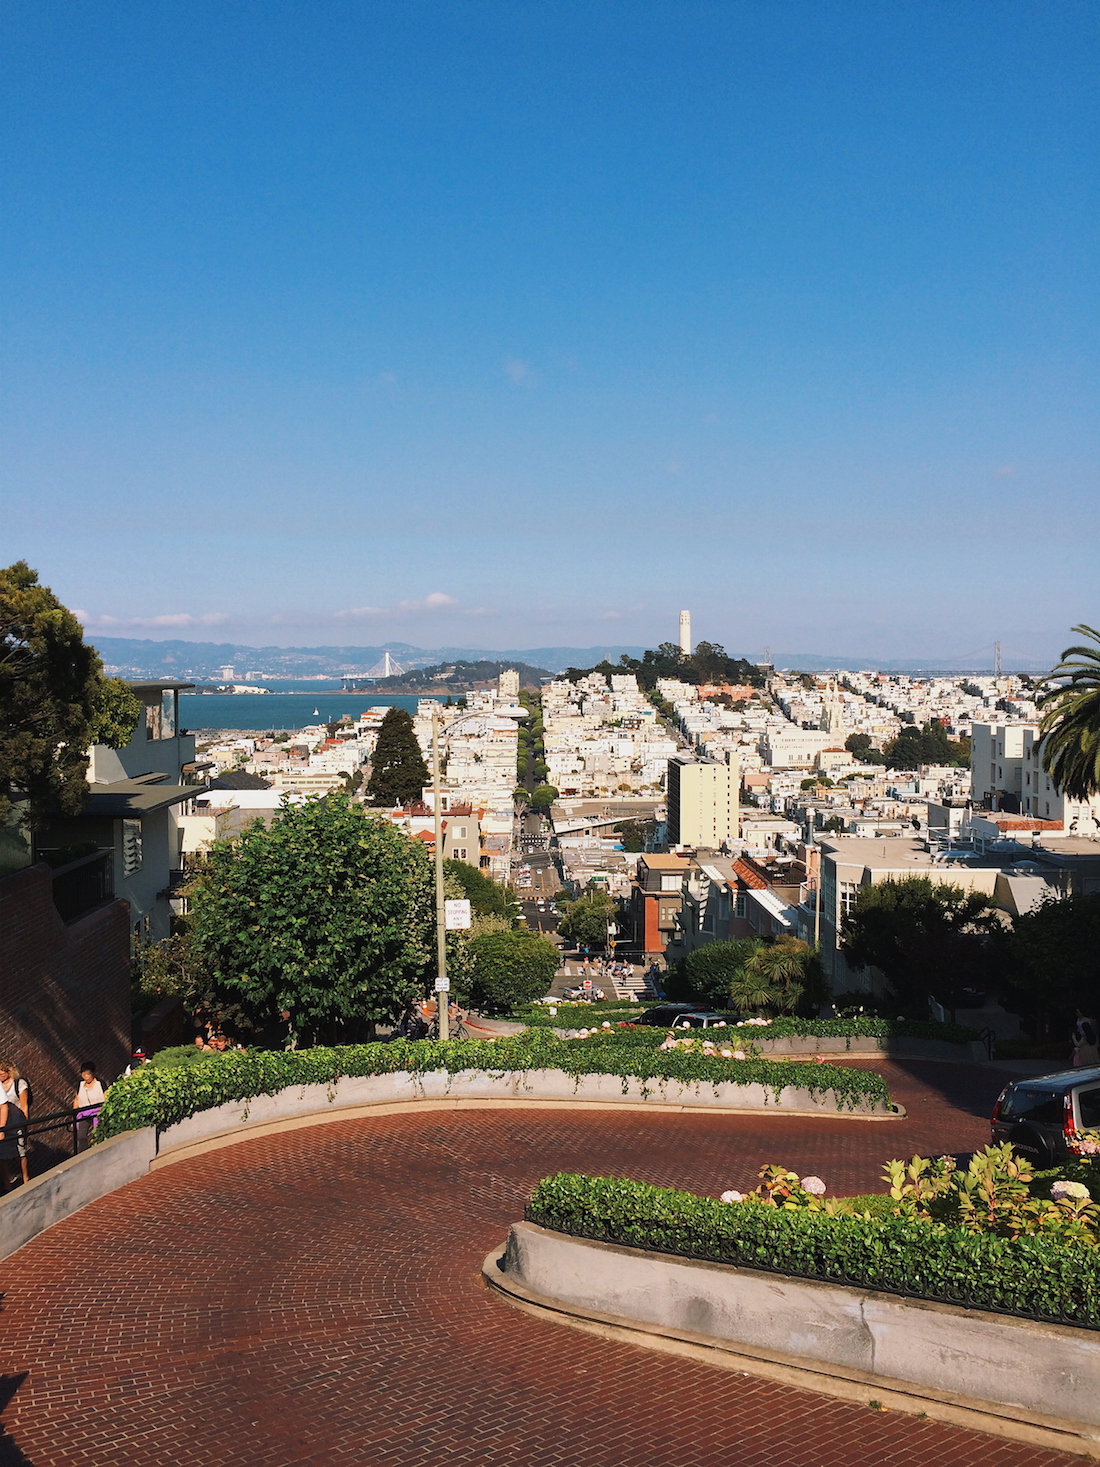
{"x": 48, "y": 1199}
{"x": 830, "y": 1377}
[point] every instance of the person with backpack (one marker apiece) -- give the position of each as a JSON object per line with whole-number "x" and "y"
{"x": 1086, "y": 1043}
{"x": 16, "y": 1094}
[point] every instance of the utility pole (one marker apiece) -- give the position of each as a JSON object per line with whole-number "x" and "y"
{"x": 442, "y": 983}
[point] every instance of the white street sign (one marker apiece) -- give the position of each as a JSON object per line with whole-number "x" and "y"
{"x": 442, "y": 985}
{"x": 457, "y": 915}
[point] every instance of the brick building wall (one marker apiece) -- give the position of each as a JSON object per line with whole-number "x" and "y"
{"x": 64, "y": 989}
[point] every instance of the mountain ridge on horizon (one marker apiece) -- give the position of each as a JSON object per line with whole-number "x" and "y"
{"x": 136, "y": 657}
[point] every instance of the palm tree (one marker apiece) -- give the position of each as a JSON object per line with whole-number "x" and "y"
{"x": 774, "y": 976}
{"x": 1070, "y": 726}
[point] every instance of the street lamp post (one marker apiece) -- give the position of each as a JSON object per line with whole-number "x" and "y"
{"x": 442, "y": 982}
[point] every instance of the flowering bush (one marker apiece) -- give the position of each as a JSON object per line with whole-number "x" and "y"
{"x": 1039, "y": 1276}
{"x": 993, "y": 1195}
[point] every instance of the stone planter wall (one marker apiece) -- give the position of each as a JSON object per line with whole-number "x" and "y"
{"x": 1042, "y": 1375}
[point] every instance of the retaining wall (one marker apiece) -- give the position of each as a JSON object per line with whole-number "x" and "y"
{"x": 109, "y": 1164}
{"x": 1043, "y": 1375}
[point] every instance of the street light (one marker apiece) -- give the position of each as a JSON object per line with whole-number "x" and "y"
{"x": 442, "y": 982}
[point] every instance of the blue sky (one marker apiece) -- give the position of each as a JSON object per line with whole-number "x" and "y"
{"x": 517, "y": 324}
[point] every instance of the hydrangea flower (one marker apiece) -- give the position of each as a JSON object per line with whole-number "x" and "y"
{"x": 606, "y": 1024}
{"x": 726, "y": 1053}
{"x": 732, "y": 1197}
{"x": 739, "y": 1054}
{"x": 814, "y": 1185}
{"x": 1077, "y": 1191}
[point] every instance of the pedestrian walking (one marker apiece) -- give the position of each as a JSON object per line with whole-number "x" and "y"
{"x": 15, "y": 1092}
{"x": 86, "y": 1103}
{"x": 1086, "y": 1042}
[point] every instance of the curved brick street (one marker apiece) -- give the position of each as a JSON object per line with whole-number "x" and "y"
{"x": 314, "y": 1297}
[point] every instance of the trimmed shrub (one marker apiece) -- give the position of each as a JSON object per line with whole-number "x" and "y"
{"x": 1037, "y": 1277}
{"x": 163, "y": 1097}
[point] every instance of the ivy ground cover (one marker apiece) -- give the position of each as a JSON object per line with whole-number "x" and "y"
{"x": 161, "y": 1097}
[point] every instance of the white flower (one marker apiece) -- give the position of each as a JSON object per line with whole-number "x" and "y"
{"x": 606, "y": 1024}
{"x": 1076, "y": 1190}
{"x": 553, "y": 1013}
{"x": 731, "y": 1197}
{"x": 726, "y": 1053}
{"x": 721, "y": 1024}
{"x": 814, "y": 1185}
{"x": 739, "y": 1054}
{"x": 582, "y": 1034}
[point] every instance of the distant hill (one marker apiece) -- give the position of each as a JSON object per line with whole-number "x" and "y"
{"x": 454, "y": 677}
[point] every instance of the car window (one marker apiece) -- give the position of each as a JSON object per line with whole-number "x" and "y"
{"x": 1044, "y": 1106}
{"x": 1088, "y": 1102}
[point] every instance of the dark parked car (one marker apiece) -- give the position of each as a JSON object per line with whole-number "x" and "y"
{"x": 1041, "y": 1117}
{"x": 684, "y": 1016}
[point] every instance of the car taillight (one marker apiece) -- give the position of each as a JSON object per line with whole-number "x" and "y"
{"x": 1068, "y": 1127}
{"x": 996, "y": 1116}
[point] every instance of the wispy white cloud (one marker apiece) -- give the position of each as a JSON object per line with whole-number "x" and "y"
{"x": 621, "y": 613}
{"x": 133, "y": 623}
{"x": 517, "y": 371}
{"x": 434, "y": 601}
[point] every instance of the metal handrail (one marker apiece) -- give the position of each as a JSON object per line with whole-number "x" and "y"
{"x": 58, "y": 1120}
{"x": 990, "y": 1039}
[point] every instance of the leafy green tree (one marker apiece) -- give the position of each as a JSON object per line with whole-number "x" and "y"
{"x": 926, "y": 938}
{"x": 486, "y": 896}
{"x": 585, "y": 921}
{"x": 509, "y": 969}
{"x": 927, "y": 745}
{"x": 116, "y": 714}
{"x": 710, "y": 971}
{"x": 328, "y": 913}
{"x": 861, "y": 746}
{"x": 1053, "y": 962}
{"x": 398, "y": 771}
{"x": 54, "y": 701}
{"x": 780, "y": 976}
{"x": 543, "y": 797}
{"x": 636, "y": 834}
{"x": 1071, "y": 719}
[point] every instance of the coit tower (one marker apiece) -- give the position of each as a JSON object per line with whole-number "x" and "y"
{"x": 685, "y": 633}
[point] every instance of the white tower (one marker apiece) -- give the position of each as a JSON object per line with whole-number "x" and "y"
{"x": 685, "y": 633}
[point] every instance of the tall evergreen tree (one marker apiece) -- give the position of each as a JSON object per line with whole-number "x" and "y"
{"x": 54, "y": 700}
{"x": 398, "y": 771}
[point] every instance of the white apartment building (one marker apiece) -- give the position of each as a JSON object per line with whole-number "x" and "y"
{"x": 1007, "y": 773}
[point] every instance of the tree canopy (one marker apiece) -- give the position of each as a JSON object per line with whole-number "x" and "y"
{"x": 585, "y": 920}
{"x": 398, "y": 771}
{"x": 543, "y": 796}
{"x": 927, "y": 938}
{"x": 1071, "y": 719}
{"x": 927, "y": 745}
{"x": 710, "y": 971}
{"x": 54, "y": 701}
{"x": 1053, "y": 961}
{"x": 328, "y": 913}
{"x": 510, "y": 968}
{"x": 487, "y": 897}
{"x": 708, "y": 663}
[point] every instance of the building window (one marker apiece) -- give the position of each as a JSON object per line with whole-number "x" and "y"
{"x": 740, "y": 905}
{"x": 169, "y": 714}
{"x": 131, "y": 847}
{"x": 849, "y": 890}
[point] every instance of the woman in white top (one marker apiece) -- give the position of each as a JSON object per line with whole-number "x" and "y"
{"x": 86, "y": 1103}
{"x": 14, "y": 1104}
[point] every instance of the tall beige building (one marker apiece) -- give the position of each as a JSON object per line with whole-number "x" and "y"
{"x": 685, "y": 633}
{"x": 703, "y": 801}
{"x": 508, "y": 683}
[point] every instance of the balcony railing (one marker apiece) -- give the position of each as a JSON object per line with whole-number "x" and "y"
{"x": 83, "y": 885}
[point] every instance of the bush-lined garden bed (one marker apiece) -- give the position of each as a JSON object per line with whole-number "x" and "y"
{"x": 863, "y": 1026}
{"x": 163, "y": 1097}
{"x": 1038, "y": 1276}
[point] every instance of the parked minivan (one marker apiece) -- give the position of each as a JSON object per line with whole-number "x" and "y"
{"x": 1041, "y": 1117}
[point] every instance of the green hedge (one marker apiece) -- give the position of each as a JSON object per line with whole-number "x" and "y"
{"x": 1037, "y": 1277}
{"x": 864, "y": 1026}
{"x": 162, "y": 1097}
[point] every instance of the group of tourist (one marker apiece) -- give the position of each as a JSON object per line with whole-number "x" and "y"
{"x": 418, "y": 1019}
{"x": 15, "y": 1114}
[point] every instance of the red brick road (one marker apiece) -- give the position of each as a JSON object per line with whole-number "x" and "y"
{"x": 314, "y": 1297}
